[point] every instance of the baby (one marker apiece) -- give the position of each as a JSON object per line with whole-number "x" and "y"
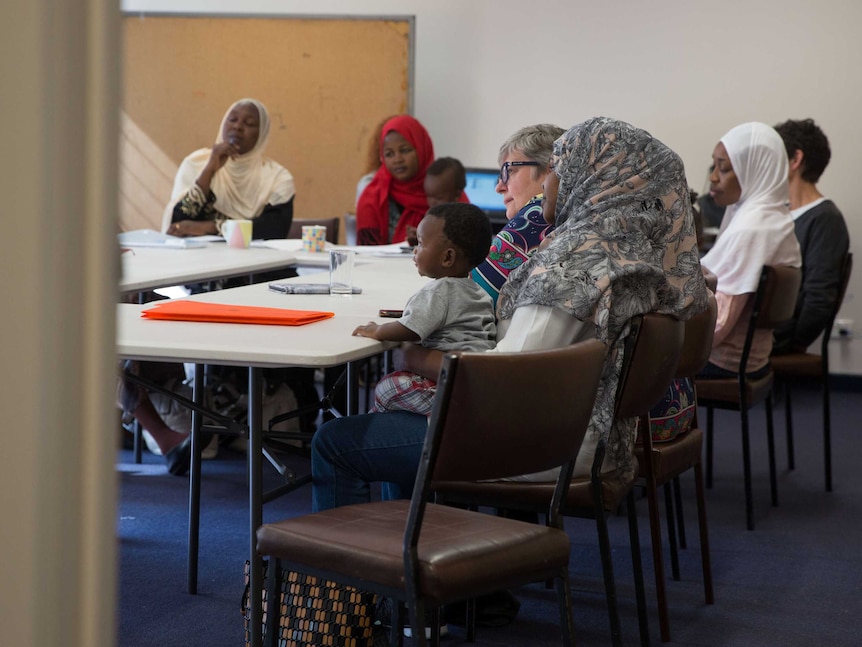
{"x": 449, "y": 313}
{"x": 445, "y": 180}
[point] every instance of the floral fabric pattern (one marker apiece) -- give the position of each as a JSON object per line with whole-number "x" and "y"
{"x": 624, "y": 245}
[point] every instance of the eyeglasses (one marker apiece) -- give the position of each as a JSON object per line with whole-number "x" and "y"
{"x": 504, "y": 170}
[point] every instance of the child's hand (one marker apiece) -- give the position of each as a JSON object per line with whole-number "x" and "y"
{"x": 368, "y": 330}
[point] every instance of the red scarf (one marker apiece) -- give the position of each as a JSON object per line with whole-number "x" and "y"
{"x": 372, "y": 211}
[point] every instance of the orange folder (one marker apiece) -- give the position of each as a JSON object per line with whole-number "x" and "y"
{"x": 223, "y": 313}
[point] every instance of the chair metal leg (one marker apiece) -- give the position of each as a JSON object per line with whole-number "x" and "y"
{"x": 827, "y": 434}
{"x": 680, "y": 522}
{"x": 564, "y": 598}
{"x": 671, "y": 532}
{"x": 704, "y": 534}
{"x": 608, "y": 573}
{"x": 416, "y": 615}
{"x": 658, "y": 561}
{"x": 637, "y": 568}
{"x": 709, "y": 431}
{"x": 433, "y": 616}
{"x": 471, "y": 620}
{"x": 396, "y": 624}
{"x": 788, "y": 424}
{"x": 770, "y": 438}
{"x": 137, "y": 440}
{"x": 746, "y": 470}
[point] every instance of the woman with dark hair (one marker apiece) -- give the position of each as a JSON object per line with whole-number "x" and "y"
{"x": 749, "y": 177}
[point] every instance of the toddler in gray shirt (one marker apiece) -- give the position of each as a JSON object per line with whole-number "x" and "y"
{"x": 452, "y": 312}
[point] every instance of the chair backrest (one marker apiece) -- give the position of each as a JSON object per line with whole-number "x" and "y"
{"x": 697, "y": 345}
{"x": 331, "y": 225}
{"x": 350, "y": 228}
{"x": 774, "y": 304}
{"x": 846, "y": 271}
{"x": 652, "y": 352}
{"x": 468, "y": 441}
{"x": 775, "y": 299}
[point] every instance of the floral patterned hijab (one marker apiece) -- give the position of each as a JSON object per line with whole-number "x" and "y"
{"x": 624, "y": 245}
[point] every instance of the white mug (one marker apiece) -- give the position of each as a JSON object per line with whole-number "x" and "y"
{"x": 237, "y": 233}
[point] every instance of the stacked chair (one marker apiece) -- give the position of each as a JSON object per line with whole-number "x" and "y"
{"x": 797, "y": 367}
{"x": 661, "y": 464}
{"x": 426, "y": 554}
{"x": 651, "y": 354}
{"x": 774, "y": 301}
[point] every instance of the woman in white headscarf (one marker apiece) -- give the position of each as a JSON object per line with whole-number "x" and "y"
{"x": 749, "y": 178}
{"x": 232, "y": 181}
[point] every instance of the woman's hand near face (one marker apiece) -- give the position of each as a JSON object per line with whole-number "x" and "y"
{"x": 221, "y": 153}
{"x": 219, "y": 156}
{"x": 184, "y": 228}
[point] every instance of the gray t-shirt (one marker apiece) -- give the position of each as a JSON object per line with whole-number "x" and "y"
{"x": 452, "y": 314}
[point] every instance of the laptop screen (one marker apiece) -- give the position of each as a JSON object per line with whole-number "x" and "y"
{"x": 481, "y": 183}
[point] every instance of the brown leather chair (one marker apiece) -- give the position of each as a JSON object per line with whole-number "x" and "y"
{"x": 773, "y": 304}
{"x": 427, "y": 554}
{"x": 798, "y": 367}
{"x": 650, "y": 357}
{"x": 331, "y": 224}
{"x": 668, "y": 460}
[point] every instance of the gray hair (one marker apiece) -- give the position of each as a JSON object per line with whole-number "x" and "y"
{"x": 536, "y": 143}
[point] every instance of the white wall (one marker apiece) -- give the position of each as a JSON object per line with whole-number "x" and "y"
{"x": 686, "y": 71}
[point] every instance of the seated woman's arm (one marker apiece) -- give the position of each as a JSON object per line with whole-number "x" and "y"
{"x": 369, "y": 236}
{"x": 273, "y": 222}
{"x": 730, "y": 309}
{"x": 420, "y": 360}
{"x": 195, "y": 215}
{"x": 537, "y": 327}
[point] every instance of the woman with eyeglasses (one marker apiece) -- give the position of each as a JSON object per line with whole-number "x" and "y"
{"x": 524, "y": 159}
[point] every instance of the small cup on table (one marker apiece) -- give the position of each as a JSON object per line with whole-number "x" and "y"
{"x": 313, "y": 238}
{"x": 237, "y": 233}
{"x": 341, "y": 262}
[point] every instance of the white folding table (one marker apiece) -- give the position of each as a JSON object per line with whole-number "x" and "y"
{"x": 386, "y": 283}
{"x": 148, "y": 268}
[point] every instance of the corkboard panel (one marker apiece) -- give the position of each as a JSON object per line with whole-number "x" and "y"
{"x": 327, "y": 84}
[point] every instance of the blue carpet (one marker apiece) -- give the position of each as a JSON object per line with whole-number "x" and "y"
{"x": 794, "y": 581}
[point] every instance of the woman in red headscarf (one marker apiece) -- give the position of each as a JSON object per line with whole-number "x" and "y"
{"x": 392, "y": 205}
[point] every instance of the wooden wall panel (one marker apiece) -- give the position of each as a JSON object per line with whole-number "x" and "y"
{"x": 327, "y": 84}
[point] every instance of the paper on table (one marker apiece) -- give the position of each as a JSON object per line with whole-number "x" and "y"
{"x": 224, "y": 313}
{"x": 295, "y": 245}
{"x": 305, "y": 288}
{"x": 152, "y": 238}
{"x": 395, "y": 249}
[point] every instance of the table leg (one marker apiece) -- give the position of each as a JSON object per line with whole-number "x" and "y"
{"x": 255, "y": 485}
{"x": 352, "y": 389}
{"x": 195, "y": 481}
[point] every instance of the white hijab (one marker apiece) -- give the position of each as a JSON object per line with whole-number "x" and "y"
{"x": 758, "y": 229}
{"x": 245, "y": 184}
